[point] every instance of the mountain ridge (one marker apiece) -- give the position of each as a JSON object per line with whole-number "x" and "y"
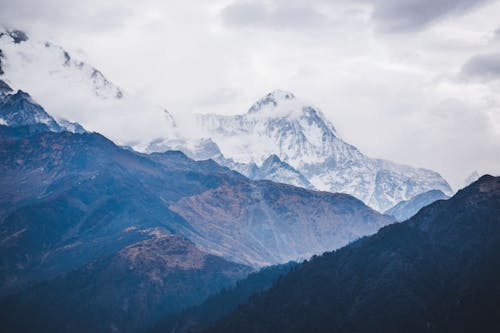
{"x": 435, "y": 272}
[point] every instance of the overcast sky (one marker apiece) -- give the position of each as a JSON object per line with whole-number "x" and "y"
{"x": 414, "y": 81}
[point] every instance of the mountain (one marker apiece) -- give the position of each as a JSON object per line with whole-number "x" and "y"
{"x": 202, "y": 148}
{"x": 123, "y": 292}
{"x": 436, "y": 272}
{"x": 4, "y": 88}
{"x": 278, "y": 171}
{"x": 406, "y": 209}
{"x": 23, "y": 56}
{"x": 19, "y": 109}
{"x": 199, "y": 317}
{"x": 71, "y": 89}
{"x": 300, "y": 135}
{"x": 70, "y": 181}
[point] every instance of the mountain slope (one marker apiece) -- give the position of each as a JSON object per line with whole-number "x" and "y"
{"x": 278, "y": 171}
{"x": 436, "y": 272}
{"x": 199, "y": 317}
{"x": 122, "y": 292}
{"x": 300, "y": 135}
{"x": 406, "y": 209}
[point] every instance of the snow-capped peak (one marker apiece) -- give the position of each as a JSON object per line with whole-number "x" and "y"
{"x": 300, "y": 135}
{"x": 17, "y": 36}
{"x": 272, "y": 100}
{"x": 279, "y": 123}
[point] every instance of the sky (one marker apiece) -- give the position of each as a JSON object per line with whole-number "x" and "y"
{"x": 413, "y": 81}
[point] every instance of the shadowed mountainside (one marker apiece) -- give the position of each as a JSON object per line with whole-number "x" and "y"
{"x": 437, "y": 272}
{"x": 199, "y": 317}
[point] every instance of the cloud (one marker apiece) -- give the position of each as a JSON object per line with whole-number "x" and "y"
{"x": 275, "y": 15}
{"x": 482, "y": 67}
{"x": 89, "y": 16}
{"x": 395, "y": 16}
{"x": 496, "y": 34}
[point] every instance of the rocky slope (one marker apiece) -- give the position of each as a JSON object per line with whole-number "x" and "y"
{"x": 436, "y": 272}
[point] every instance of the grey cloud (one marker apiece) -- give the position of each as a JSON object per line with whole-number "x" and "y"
{"x": 414, "y": 15}
{"x": 483, "y": 67}
{"x": 278, "y": 15}
{"x": 496, "y": 34}
{"x": 389, "y": 16}
{"x": 93, "y": 15}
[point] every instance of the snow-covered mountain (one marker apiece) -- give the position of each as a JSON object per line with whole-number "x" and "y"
{"x": 70, "y": 88}
{"x": 300, "y": 135}
{"x": 23, "y": 57}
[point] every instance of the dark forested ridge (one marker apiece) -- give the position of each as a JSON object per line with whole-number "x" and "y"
{"x": 125, "y": 291}
{"x": 437, "y": 272}
{"x": 197, "y": 318}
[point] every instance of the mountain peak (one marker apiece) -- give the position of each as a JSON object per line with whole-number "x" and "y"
{"x": 279, "y": 94}
{"x": 18, "y": 36}
{"x": 272, "y": 159}
{"x": 5, "y": 88}
{"x": 274, "y": 98}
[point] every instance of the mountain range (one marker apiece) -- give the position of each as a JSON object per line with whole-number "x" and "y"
{"x": 81, "y": 216}
{"x": 298, "y": 142}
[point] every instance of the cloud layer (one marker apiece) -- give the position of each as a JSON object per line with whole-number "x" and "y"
{"x": 415, "y": 81}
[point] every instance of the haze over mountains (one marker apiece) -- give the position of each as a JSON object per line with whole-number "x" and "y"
{"x": 300, "y": 145}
